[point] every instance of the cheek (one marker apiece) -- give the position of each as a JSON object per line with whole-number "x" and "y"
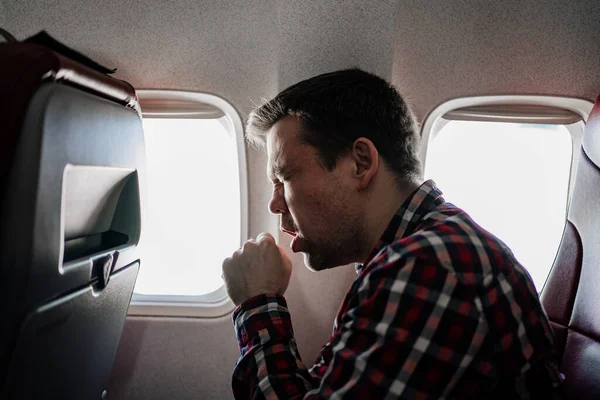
{"x": 297, "y": 200}
{"x": 312, "y": 206}
{"x": 301, "y": 202}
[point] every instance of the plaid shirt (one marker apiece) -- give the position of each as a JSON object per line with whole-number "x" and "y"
{"x": 441, "y": 309}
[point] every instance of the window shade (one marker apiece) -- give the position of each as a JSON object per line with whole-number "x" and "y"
{"x": 514, "y": 113}
{"x": 178, "y": 108}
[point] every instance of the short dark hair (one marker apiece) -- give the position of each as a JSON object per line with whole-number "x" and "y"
{"x": 337, "y": 108}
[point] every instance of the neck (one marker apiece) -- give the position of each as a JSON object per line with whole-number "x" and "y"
{"x": 381, "y": 206}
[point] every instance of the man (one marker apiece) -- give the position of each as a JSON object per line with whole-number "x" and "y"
{"x": 440, "y": 307}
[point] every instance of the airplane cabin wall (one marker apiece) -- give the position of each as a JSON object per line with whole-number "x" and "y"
{"x": 248, "y": 50}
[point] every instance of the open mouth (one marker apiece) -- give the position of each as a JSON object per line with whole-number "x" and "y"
{"x": 296, "y": 242}
{"x": 291, "y": 233}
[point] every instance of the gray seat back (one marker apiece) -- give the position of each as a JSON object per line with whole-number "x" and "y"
{"x": 70, "y": 224}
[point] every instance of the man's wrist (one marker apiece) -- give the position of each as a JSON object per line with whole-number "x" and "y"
{"x": 265, "y": 316}
{"x": 257, "y": 301}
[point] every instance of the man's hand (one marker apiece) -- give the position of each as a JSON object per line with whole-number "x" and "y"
{"x": 260, "y": 267}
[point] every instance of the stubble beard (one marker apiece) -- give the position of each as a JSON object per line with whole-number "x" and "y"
{"x": 330, "y": 254}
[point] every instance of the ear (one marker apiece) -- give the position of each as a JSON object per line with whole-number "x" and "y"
{"x": 366, "y": 161}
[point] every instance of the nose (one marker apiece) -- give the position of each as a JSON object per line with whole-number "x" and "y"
{"x": 277, "y": 204}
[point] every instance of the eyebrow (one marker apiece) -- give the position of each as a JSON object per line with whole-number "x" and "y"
{"x": 278, "y": 170}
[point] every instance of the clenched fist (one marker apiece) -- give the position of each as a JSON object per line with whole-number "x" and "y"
{"x": 260, "y": 267}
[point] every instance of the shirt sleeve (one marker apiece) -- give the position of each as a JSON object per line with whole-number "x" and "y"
{"x": 410, "y": 332}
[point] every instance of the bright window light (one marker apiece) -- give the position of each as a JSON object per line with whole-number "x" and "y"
{"x": 513, "y": 180}
{"x": 192, "y": 203}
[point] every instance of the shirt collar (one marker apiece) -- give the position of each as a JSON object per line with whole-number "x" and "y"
{"x": 407, "y": 218}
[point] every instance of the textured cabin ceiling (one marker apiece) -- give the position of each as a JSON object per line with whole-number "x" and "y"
{"x": 209, "y": 46}
{"x": 247, "y": 50}
{"x": 2, "y": 15}
{"x": 241, "y": 50}
{"x": 447, "y": 49}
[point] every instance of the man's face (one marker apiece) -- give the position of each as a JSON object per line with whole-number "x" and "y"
{"x": 318, "y": 208}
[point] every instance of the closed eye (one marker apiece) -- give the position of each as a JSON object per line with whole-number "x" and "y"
{"x": 280, "y": 173}
{"x": 285, "y": 178}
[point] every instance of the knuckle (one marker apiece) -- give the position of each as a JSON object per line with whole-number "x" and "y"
{"x": 266, "y": 240}
{"x": 248, "y": 245}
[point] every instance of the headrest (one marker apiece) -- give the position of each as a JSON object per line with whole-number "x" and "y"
{"x": 591, "y": 135}
{"x": 42, "y": 63}
{"x": 23, "y": 68}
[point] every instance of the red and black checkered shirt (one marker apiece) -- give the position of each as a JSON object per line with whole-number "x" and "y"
{"x": 441, "y": 309}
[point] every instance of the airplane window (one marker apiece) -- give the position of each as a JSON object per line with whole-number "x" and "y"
{"x": 512, "y": 178}
{"x": 193, "y": 205}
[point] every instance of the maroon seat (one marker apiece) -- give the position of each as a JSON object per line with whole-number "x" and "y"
{"x": 571, "y": 295}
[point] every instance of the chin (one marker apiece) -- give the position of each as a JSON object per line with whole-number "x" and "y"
{"x": 317, "y": 264}
{"x": 309, "y": 263}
